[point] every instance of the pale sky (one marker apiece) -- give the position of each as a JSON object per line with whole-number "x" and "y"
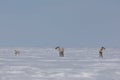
{"x": 67, "y": 23}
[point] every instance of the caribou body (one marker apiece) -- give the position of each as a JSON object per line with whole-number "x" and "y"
{"x": 101, "y": 51}
{"x": 61, "y": 51}
{"x": 16, "y": 52}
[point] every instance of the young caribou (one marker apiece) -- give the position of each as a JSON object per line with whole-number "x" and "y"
{"x": 61, "y": 51}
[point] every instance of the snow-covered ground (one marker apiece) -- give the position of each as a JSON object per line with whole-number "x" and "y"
{"x": 45, "y": 64}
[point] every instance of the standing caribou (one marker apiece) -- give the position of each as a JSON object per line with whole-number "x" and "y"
{"x": 61, "y": 51}
{"x": 16, "y": 52}
{"x": 101, "y": 51}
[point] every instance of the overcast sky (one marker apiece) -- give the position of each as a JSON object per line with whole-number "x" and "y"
{"x": 68, "y": 23}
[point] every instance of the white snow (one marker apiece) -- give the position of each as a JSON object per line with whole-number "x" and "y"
{"x": 45, "y": 64}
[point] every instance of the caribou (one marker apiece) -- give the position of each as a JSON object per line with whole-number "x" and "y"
{"x": 16, "y": 52}
{"x": 101, "y": 51}
{"x": 61, "y": 51}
